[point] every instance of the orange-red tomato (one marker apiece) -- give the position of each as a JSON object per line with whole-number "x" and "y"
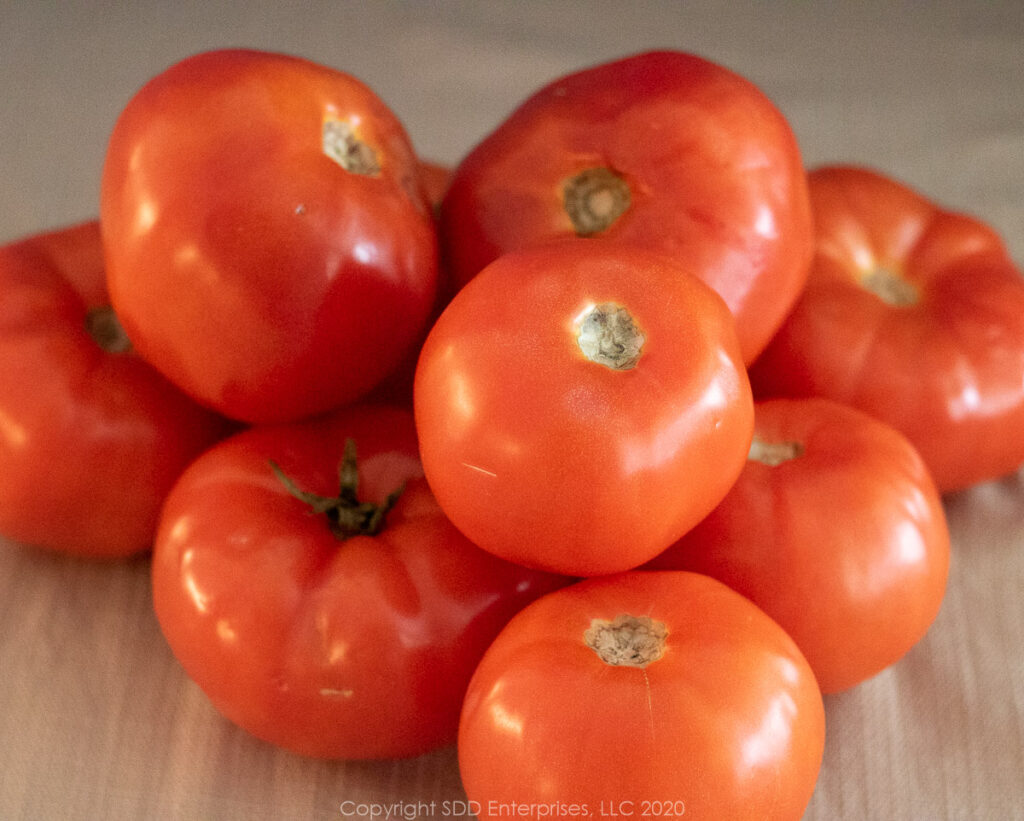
{"x": 836, "y": 530}
{"x": 645, "y": 694}
{"x": 434, "y": 178}
{"x": 91, "y": 437}
{"x": 340, "y": 635}
{"x": 581, "y": 405}
{"x": 914, "y": 314}
{"x": 269, "y": 243}
{"x": 662, "y": 150}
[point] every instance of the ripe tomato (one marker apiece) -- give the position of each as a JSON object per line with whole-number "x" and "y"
{"x": 269, "y": 243}
{"x": 835, "y": 529}
{"x": 91, "y": 437}
{"x": 434, "y": 178}
{"x": 581, "y": 405}
{"x": 643, "y": 694}
{"x": 333, "y": 635}
{"x": 662, "y": 150}
{"x": 914, "y": 314}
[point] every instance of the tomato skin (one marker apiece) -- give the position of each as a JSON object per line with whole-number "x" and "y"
{"x": 353, "y": 649}
{"x": 845, "y": 545}
{"x": 552, "y": 460}
{"x": 714, "y": 171}
{"x": 248, "y": 265}
{"x": 729, "y": 722}
{"x": 946, "y": 370}
{"x": 90, "y": 440}
{"x": 434, "y": 177}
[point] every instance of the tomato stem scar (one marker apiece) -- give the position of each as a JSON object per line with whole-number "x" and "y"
{"x": 627, "y": 641}
{"x": 594, "y": 199}
{"x": 341, "y": 144}
{"x": 774, "y": 453}
{"x": 608, "y": 336}
{"x": 890, "y": 287}
{"x": 106, "y": 330}
{"x": 346, "y": 515}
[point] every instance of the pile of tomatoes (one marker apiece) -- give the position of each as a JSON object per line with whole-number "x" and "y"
{"x": 605, "y": 453}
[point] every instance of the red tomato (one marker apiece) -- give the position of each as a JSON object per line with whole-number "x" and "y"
{"x": 91, "y": 437}
{"x": 434, "y": 178}
{"x": 329, "y": 644}
{"x": 642, "y": 695}
{"x": 581, "y": 405}
{"x": 914, "y": 314}
{"x": 835, "y": 529}
{"x": 269, "y": 243}
{"x": 663, "y": 150}
{"x": 396, "y": 388}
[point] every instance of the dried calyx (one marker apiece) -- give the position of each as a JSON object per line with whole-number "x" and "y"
{"x": 890, "y": 287}
{"x": 627, "y": 641}
{"x": 341, "y": 144}
{"x": 106, "y": 330}
{"x": 774, "y": 453}
{"x": 594, "y": 199}
{"x": 608, "y": 335}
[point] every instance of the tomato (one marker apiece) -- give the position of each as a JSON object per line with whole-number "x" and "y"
{"x": 581, "y": 405}
{"x": 91, "y": 437}
{"x": 662, "y": 150}
{"x": 914, "y": 314}
{"x": 269, "y": 243}
{"x": 349, "y": 634}
{"x": 836, "y": 530}
{"x": 396, "y": 388}
{"x": 434, "y": 178}
{"x": 645, "y": 694}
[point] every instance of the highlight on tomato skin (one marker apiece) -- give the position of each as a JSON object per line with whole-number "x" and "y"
{"x": 580, "y": 405}
{"x": 91, "y": 436}
{"x": 661, "y": 150}
{"x": 836, "y": 530}
{"x": 307, "y": 581}
{"x": 270, "y": 245}
{"x": 639, "y": 687}
{"x": 914, "y": 314}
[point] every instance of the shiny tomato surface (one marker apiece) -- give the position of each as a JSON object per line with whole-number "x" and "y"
{"x": 836, "y": 530}
{"x": 91, "y": 437}
{"x": 914, "y": 314}
{"x": 270, "y": 246}
{"x": 581, "y": 405}
{"x": 662, "y": 150}
{"x": 329, "y": 635}
{"x": 645, "y": 694}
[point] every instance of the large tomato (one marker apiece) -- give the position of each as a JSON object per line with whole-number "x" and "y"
{"x": 269, "y": 243}
{"x": 914, "y": 314}
{"x": 663, "y": 150}
{"x": 581, "y": 405}
{"x": 642, "y": 695}
{"x": 91, "y": 437}
{"x": 836, "y": 530}
{"x": 348, "y": 634}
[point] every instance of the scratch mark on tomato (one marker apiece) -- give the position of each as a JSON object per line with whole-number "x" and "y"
{"x": 481, "y": 470}
{"x": 650, "y": 703}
